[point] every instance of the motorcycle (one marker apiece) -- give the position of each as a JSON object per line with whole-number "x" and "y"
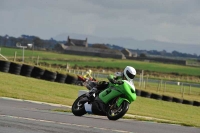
{"x": 109, "y": 99}
{"x": 83, "y": 81}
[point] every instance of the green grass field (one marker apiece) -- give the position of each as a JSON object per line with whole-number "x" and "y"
{"x": 84, "y": 61}
{"x": 63, "y": 59}
{"x": 16, "y": 86}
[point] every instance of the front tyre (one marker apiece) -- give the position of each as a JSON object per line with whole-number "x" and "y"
{"x": 114, "y": 112}
{"x": 78, "y": 108}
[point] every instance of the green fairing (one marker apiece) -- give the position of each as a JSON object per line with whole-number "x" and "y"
{"x": 124, "y": 90}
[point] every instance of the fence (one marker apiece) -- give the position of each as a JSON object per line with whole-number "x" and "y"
{"x": 155, "y": 85}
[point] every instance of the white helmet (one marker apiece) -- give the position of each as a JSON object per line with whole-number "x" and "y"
{"x": 129, "y": 73}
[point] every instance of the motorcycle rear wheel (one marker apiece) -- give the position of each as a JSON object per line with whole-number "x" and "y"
{"x": 78, "y": 108}
{"x": 114, "y": 113}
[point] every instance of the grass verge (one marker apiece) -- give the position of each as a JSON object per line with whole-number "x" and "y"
{"x": 16, "y": 86}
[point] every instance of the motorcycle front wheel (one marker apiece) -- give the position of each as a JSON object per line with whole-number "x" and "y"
{"x": 78, "y": 108}
{"x": 114, "y": 112}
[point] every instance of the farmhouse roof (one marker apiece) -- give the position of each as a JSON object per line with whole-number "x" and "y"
{"x": 93, "y": 50}
{"x": 77, "y": 42}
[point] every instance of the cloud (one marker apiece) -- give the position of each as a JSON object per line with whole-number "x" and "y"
{"x": 170, "y": 20}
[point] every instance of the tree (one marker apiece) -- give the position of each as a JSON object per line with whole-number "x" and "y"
{"x": 38, "y": 42}
{"x": 143, "y": 55}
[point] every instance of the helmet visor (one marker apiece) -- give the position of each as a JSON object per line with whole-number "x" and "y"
{"x": 131, "y": 76}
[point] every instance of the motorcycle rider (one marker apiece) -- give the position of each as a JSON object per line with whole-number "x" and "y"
{"x": 88, "y": 74}
{"x": 128, "y": 74}
{"x": 109, "y": 99}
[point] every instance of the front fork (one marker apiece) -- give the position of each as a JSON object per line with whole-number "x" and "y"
{"x": 115, "y": 107}
{"x": 118, "y": 101}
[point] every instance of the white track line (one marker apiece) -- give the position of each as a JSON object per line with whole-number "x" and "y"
{"x": 63, "y": 123}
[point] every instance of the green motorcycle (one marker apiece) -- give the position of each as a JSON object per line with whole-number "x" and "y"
{"x": 112, "y": 102}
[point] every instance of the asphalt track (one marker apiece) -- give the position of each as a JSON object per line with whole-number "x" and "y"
{"x": 18, "y": 116}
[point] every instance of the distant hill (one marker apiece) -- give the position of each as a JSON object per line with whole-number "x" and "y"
{"x": 135, "y": 44}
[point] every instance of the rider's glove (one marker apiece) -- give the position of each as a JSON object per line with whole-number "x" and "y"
{"x": 119, "y": 82}
{"x": 101, "y": 85}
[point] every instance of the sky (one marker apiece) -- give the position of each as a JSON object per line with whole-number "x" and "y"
{"x": 175, "y": 21}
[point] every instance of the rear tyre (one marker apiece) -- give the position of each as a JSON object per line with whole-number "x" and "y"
{"x": 70, "y": 79}
{"x": 167, "y": 98}
{"x": 15, "y": 68}
{"x": 145, "y": 94}
{"x": 138, "y": 92}
{"x": 37, "y": 72}
{"x": 156, "y": 96}
{"x": 60, "y": 78}
{"x": 4, "y": 66}
{"x": 26, "y": 70}
{"x": 78, "y": 108}
{"x": 114, "y": 112}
